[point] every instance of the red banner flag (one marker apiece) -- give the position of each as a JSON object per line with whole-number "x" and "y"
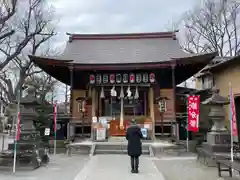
{"x": 193, "y": 113}
{"x": 233, "y": 115}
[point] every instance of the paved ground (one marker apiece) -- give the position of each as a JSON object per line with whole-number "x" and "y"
{"x": 61, "y": 167}
{"x": 185, "y": 168}
{"x": 117, "y": 167}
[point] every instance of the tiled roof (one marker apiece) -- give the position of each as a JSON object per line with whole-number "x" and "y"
{"x": 214, "y": 63}
{"x": 124, "y": 48}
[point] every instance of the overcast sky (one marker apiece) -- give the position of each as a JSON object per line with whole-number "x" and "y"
{"x": 117, "y": 16}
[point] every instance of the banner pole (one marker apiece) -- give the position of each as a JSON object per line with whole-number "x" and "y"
{"x": 17, "y": 125}
{"x": 187, "y": 140}
{"x": 55, "y": 127}
{"x": 230, "y": 119}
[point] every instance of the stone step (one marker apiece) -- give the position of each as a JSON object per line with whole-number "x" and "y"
{"x": 81, "y": 150}
{"x": 116, "y": 149}
{"x": 109, "y": 151}
{"x": 117, "y": 138}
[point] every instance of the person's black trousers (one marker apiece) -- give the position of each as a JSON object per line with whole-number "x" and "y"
{"x": 134, "y": 162}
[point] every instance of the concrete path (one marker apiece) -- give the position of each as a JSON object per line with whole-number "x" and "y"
{"x": 117, "y": 167}
{"x": 186, "y": 168}
{"x": 61, "y": 167}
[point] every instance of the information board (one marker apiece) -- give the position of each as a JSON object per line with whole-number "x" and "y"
{"x": 101, "y": 134}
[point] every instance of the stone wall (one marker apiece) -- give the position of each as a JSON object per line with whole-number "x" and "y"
{"x": 222, "y": 79}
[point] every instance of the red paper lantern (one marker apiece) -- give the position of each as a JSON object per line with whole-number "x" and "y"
{"x": 152, "y": 77}
{"x": 132, "y": 78}
{"x": 92, "y": 79}
{"x": 112, "y": 78}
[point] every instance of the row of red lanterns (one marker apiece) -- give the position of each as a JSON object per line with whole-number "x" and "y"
{"x": 118, "y": 78}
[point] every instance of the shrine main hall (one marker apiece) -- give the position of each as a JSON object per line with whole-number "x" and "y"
{"x": 119, "y": 77}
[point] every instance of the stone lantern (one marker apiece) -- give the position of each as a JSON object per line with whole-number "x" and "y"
{"x": 217, "y": 113}
{"x": 218, "y": 139}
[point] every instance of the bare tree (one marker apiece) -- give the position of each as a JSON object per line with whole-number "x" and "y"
{"x": 43, "y": 83}
{"x": 213, "y": 27}
{"x": 31, "y": 21}
{"x": 20, "y": 65}
{"x": 7, "y": 10}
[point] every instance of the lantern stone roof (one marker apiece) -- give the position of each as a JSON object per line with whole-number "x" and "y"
{"x": 216, "y": 98}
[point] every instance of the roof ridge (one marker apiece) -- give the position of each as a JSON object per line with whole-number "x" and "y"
{"x": 167, "y": 34}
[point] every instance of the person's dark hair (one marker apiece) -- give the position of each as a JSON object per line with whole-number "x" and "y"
{"x": 133, "y": 122}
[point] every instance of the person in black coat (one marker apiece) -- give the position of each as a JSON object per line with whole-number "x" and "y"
{"x": 134, "y": 136}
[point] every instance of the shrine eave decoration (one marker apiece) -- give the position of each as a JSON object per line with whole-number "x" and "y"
{"x": 122, "y": 78}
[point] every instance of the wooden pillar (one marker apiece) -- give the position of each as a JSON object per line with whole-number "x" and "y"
{"x": 97, "y": 103}
{"x": 100, "y": 104}
{"x": 71, "y": 69}
{"x": 174, "y": 98}
{"x": 151, "y": 108}
{"x": 93, "y": 109}
{"x": 145, "y": 103}
{"x": 93, "y": 101}
{"x": 71, "y": 88}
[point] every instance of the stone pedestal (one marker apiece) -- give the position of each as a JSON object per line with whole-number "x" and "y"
{"x": 218, "y": 142}
{"x": 4, "y": 140}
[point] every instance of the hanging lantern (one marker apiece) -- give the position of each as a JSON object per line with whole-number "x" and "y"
{"x": 102, "y": 93}
{"x": 112, "y": 78}
{"x": 136, "y": 96}
{"x": 118, "y": 78}
{"x": 125, "y": 78}
{"x": 162, "y": 105}
{"x": 83, "y": 106}
{"x": 129, "y": 93}
{"x": 152, "y": 77}
{"x": 145, "y": 78}
{"x": 98, "y": 79}
{"x": 138, "y": 78}
{"x": 105, "y": 78}
{"x": 92, "y": 79}
{"x": 132, "y": 78}
{"x": 121, "y": 93}
{"x": 80, "y": 106}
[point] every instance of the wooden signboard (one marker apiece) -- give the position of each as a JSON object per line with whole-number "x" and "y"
{"x": 115, "y": 129}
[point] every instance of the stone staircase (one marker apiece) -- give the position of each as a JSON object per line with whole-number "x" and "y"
{"x": 117, "y": 148}
{"x": 118, "y": 145}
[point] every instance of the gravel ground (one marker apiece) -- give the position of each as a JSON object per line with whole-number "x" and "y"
{"x": 61, "y": 167}
{"x": 185, "y": 169}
